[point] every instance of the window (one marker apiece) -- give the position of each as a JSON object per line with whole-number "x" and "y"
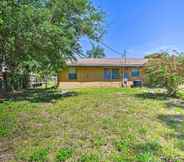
{"x": 135, "y": 73}
{"x": 115, "y": 74}
{"x": 72, "y": 75}
{"x": 107, "y": 74}
{"x": 110, "y": 74}
{"x": 126, "y": 75}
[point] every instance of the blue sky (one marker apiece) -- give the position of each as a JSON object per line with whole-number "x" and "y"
{"x": 142, "y": 26}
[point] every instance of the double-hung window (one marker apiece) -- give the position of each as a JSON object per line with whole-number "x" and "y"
{"x": 111, "y": 74}
{"x": 72, "y": 74}
{"x": 135, "y": 72}
{"x": 115, "y": 74}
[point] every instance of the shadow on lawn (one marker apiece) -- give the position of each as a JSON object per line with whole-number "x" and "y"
{"x": 40, "y": 95}
{"x": 175, "y": 122}
{"x": 172, "y": 103}
{"x": 153, "y": 147}
{"x": 154, "y": 96}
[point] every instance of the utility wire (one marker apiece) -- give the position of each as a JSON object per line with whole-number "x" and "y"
{"x": 123, "y": 56}
{"x": 112, "y": 49}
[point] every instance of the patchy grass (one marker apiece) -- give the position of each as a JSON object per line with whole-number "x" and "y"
{"x": 180, "y": 94}
{"x": 63, "y": 154}
{"x": 91, "y": 125}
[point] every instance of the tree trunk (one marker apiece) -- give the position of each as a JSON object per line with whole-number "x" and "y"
{"x": 45, "y": 81}
{"x": 46, "y": 84}
{"x": 172, "y": 93}
{"x": 26, "y": 81}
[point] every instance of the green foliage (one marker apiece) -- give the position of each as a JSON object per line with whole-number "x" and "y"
{"x": 122, "y": 145}
{"x": 166, "y": 71}
{"x": 4, "y": 125}
{"x": 143, "y": 130}
{"x": 64, "y": 154}
{"x": 41, "y": 35}
{"x": 99, "y": 141}
{"x": 3, "y": 131}
{"x": 152, "y": 146}
{"x": 39, "y": 155}
{"x": 145, "y": 157}
{"x": 118, "y": 158}
{"x": 96, "y": 52}
{"x": 7, "y": 123}
{"x": 89, "y": 158}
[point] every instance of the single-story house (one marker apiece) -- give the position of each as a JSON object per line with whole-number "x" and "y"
{"x": 105, "y": 72}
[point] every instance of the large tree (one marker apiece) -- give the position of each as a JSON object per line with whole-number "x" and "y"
{"x": 40, "y": 35}
{"x": 166, "y": 70}
{"x": 96, "y": 52}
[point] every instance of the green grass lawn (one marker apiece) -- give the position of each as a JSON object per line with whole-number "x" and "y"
{"x": 91, "y": 125}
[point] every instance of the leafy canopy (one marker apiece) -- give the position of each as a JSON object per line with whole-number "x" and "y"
{"x": 40, "y": 35}
{"x": 96, "y": 52}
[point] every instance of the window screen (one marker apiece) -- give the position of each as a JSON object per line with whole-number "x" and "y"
{"x": 72, "y": 75}
{"x": 135, "y": 73}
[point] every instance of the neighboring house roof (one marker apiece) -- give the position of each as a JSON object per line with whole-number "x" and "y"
{"x": 108, "y": 62}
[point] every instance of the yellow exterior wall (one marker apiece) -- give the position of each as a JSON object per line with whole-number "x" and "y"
{"x": 71, "y": 85}
{"x": 96, "y": 75}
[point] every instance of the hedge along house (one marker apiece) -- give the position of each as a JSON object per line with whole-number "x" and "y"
{"x": 104, "y": 72}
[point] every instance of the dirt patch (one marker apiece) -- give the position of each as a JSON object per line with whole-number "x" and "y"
{"x": 6, "y": 151}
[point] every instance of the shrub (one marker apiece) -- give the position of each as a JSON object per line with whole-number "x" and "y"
{"x": 166, "y": 71}
{"x": 64, "y": 154}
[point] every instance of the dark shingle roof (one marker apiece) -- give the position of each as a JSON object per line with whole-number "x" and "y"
{"x": 108, "y": 62}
